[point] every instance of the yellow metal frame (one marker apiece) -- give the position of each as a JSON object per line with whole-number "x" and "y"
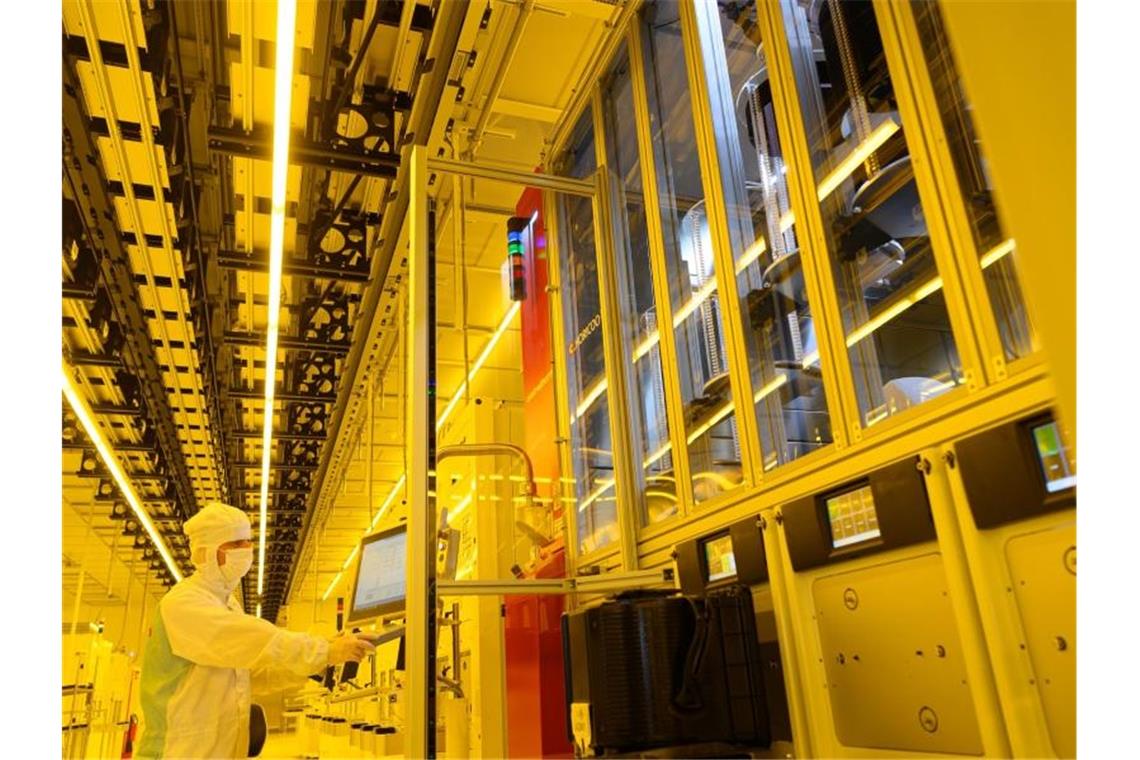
{"x": 785, "y": 105}
{"x": 561, "y": 379}
{"x": 898, "y": 20}
{"x": 421, "y": 520}
{"x": 625, "y": 488}
{"x": 668, "y": 337}
{"x": 920, "y": 144}
{"x": 794, "y": 590}
{"x": 695, "y": 45}
{"x": 791, "y": 643}
{"x": 1005, "y": 636}
{"x": 1015, "y": 80}
{"x": 815, "y": 248}
{"x": 965, "y": 416}
{"x": 989, "y": 395}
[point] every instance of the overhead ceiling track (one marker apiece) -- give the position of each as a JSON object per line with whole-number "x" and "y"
{"x": 248, "y": 263}
{"x": 433, "y": 94}
{"x": 283, "y": 467}
{"x": 286, "y": 396}
{"x": 304, "y": 153}
{"x": 282, "y": 436}
{"x": 132, "y": 447}
{"x": 88, "y": 359}
{"x": 290, "y": 342}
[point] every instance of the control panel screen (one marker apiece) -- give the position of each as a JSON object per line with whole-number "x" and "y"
{"x": 1056, "y": 462}
{"x": 719, "y": 558}
{"x": 852, "y": 517}
{"x": 381, "y": 579}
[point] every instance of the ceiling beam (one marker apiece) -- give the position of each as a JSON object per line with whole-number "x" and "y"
{"x": 235, "y": 142}
{"x": 254, "y": 263}
{"x": 532, "y": 111}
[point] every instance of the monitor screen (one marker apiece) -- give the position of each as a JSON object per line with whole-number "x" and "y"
{"x": 852, "y": 517}
{"x": 380, "y": 575}
{"x": 719, "y": 559}
{"x": 1056, "y": 465}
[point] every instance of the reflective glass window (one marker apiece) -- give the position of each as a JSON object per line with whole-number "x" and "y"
{"x": 638, "y": 306}
{"x": 779, "y": 329}
{"x": 591, "y": 443}
{"x": 710, "y": 413}
{"x": 896, "y": 326}
{"x": 993, "y": 245}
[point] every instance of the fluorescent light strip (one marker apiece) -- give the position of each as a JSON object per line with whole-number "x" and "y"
{"x": 656, "y": 455}
{"x": 995, "y": 254}
{"x": 754, "y": 252}
{"x": 282, "y": 123}
{"x": 462, "y": 506}
{"x": 332, "y": 585}
{"x": 111, "y": 462}
{"x": 999, "y": 251}
{"x": 832, "y": 180}
{"x": 643, "y": 348}
{"x": 479, "y": 362}
{"x": 388, "y": 500}
{"x": 771, "y": 387}
{"x": 259, "y": 609}
{"x": 843, "y": 170}
{"x": 604, "y": 486}
{"x": 694, "y": 303}
{"x": 592, "y": 395}
{"x": 720, "y": 414}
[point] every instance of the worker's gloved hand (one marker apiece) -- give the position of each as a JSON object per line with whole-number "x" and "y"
{"x": 348, "y": 648}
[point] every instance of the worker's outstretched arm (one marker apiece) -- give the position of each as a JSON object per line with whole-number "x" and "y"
{"x": 209, "y": 634}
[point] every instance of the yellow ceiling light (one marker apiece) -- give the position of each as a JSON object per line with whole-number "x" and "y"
{"x": 719, "y": 415}
{"x": 998, "y": 252}
{"x": 282, "y": 125}
{"x": 656, "y": 455}
{"x": 593, "y": 394}
{"x": 111, "y": 462}
{"x": 751, "y": 254}
{"x": 479, "y": 362}
{"x": 645, "y": 346}
{"x": 477, "y": 365}
{"x": 770, "y": 388}
{"x": 756, "y": 250}
{"x": 462, "y": 506}
{"x": 391, "y": 497}
{"x": 693, "y": 303}
{"x": 388, "y": 500}
{"x": 861, "y": 153}
{"x": 604, "y": 486}
{"x": 332, "y": 585}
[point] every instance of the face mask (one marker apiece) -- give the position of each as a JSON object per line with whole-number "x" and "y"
{"x": 238, "y": 563}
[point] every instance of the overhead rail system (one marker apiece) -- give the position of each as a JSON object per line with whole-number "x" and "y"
{"x": 223, "y": 215}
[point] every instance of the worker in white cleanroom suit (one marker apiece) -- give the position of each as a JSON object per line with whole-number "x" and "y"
{"x": 202, "y": 649}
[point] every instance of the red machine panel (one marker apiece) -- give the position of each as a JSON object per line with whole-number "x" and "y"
{"x": 536, "y": 718}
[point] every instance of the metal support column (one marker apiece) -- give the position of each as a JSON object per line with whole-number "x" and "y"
{"x": 419, "y": 435}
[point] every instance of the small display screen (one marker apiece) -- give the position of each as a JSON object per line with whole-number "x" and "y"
{"x": 1056, "y": 464}
{"x": 852, "y": 517}
{"x": 381, "y": 579}
{"x": 719, "y": 558}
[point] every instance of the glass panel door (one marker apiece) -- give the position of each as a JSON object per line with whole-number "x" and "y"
{"x": 710, "y": 412}
{"x": 897, "y": 329}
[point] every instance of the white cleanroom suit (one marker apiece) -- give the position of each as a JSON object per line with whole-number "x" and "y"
{"x": 201, "y": 650}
